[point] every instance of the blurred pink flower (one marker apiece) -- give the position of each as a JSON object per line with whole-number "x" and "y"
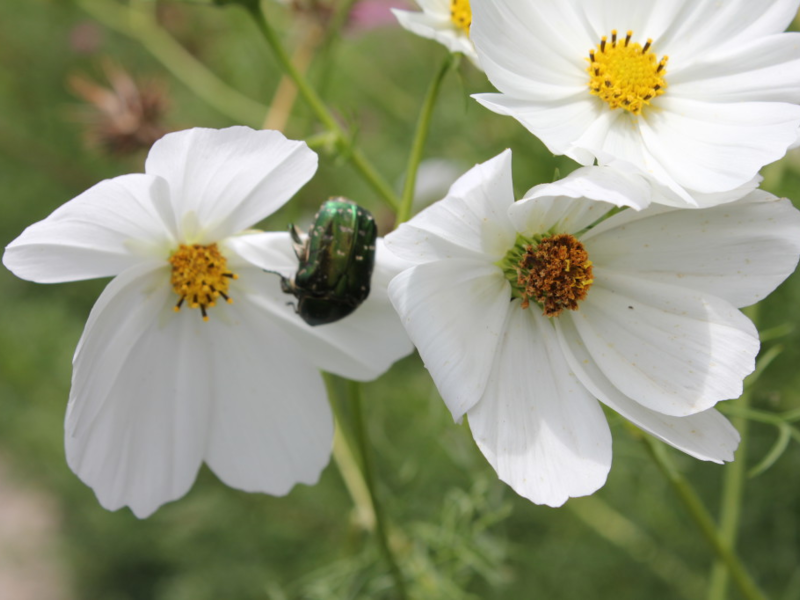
{"x": 374, "y": 14}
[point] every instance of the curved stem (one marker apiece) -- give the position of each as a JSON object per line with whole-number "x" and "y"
{"x": 354, "y": 392}
{"x": 138, "y": 23}
{"x": 420, "y": 136}
{"x": 356, "y": 157}
{"x": 698, "y": 512}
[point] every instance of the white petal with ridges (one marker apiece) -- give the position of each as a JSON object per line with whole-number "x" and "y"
{"x": 674, "y": 350}
{"x": 541, "y": 430}
{"x": 470, "y": 222}
{"x": 763, "y": 69}
{"x": 107, "y": 229}
{"x": 712, "y": 147}
{"x": 558, "y": 123}
{"x": 224, "y": 181}
{"x": 139, "y": 406}
{"x": 706, "y": 435}
{"x": 739, "y": 252}
{"x": 454, "y": 312}
{"x": 271, "y": 426}
{"x": 578, "y": 200}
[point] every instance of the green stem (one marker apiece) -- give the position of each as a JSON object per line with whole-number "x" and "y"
{"x": 732, "y": 492}
{"x": 138, "y": 23}
{"x": 356, "y": 156}
{"x": 354, "y": 391}
{"x": 731, "y": 505}
{"x": 698, "y": 512}
{"x": 617, "y": 529}
{"x": 420, "y": 136}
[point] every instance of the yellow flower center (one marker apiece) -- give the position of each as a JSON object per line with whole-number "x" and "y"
{"x": 200, "y": 276}
{"x": 626, "y": 75}
{"x": 554, "y": 271}
{"x": 461, "y": 14}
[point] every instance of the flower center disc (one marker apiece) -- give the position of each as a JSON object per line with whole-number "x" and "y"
{"x": 200, "y": 276}
{"x": 626, "y": 75}
{"x": 461, "y": 14}
{"x": 556, "y": 273}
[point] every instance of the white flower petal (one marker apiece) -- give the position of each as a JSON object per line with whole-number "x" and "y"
{"x": 708, "y": 26}
{"x": 469, "y": 223}
{"x": 706, "y": 435}
{"x": 269, "y": 250}
{"x": 224, "y": 181}
{"x": 766, "y": 69}
{"x": 557, "y": 123}
{"x": 578, "y": 200}
{"x": 438, "y": 27}
{"x": 739, "y": 252}
{"x": 454, "y": 312}
{"x": 715, "y": 147}
{"x": 139, "y": 406}
{"x": 674, "y": 350}
{"x": 540, "y": 429}
{"x": 271, "y": 426}
{"x": 507, "y": 34}
{"x": 100, "y": 233}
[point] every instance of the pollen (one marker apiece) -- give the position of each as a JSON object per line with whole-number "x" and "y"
{"x": 461, "y": 14}
{"x": 624, "y": 74}
{"x": 556, "y": 273}
{"x": 200, "y": 276}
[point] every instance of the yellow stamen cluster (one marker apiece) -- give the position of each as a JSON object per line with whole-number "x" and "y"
{"x": 200, "y": 276}
{"x": 556, "y": 273}
{"x": 461, "y": 14}
{"x": 626, "y": 75}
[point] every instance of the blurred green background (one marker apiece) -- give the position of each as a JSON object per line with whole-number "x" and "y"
{"x": 459, "y": 532}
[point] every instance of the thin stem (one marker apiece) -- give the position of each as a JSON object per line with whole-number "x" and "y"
{"x": 282, "y": 102}
{"x": 356, "y": 156}
{"x": 346, "y": 462}
{"x": 420, "y": 136}
{"x": 354, "y": 391}
{"x": 735, "y": 475}
{"x": 700, "y": 515}
{"x": 617, "y": 529}
{"x": 137, "y": 22}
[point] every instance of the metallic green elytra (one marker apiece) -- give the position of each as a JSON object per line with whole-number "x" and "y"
{"x": 336, "y": 262}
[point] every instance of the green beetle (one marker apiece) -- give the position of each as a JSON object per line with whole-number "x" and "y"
{"x": 336, "y": 262}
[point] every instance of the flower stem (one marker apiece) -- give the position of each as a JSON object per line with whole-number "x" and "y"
{"x": 420, "y": 136}
{"x": 698, "y": 512}
{"x": 356, "y": 156}
{"x": 732, "y": 490}
{"x": 354, "y": 392}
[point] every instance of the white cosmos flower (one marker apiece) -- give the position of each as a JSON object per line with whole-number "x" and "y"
{"x": 156, "y": 392}
{"x": 700, "y": 97}
{"x": 446, "y": 21}
{"x": 656, "y": 334}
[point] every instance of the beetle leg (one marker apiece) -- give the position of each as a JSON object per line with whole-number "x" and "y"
{"x": 299, "y": 245}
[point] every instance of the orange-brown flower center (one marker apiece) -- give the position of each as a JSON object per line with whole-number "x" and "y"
{"x": 556, "y": 273}
{"x": 199, "y": 276}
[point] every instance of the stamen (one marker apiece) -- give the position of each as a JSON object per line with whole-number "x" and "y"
{"x": 461, "y": 14}
{"x": 626, "y": 75}
{"x": 554, "y": 272}
{"x": 200, "y": 276}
